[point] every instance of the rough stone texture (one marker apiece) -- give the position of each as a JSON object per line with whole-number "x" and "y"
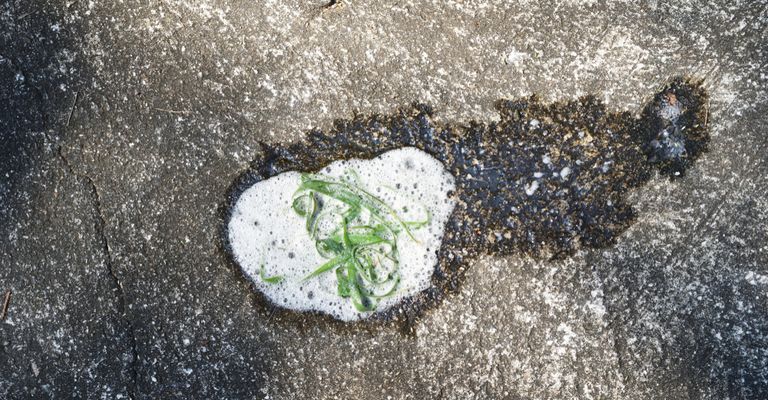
{"x": 123, "y": 124}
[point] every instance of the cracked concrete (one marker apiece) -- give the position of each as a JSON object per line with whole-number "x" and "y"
{"x": 102, "y": 237}
{"x": 64, "y": 323}
{"x": 120, "y": 289}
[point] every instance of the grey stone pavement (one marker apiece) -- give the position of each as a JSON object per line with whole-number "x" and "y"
{"x": 123, "y": 123}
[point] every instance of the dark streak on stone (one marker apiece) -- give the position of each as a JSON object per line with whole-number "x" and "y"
{"x": 6, "y": 303}
{"x": 603, "y": 155}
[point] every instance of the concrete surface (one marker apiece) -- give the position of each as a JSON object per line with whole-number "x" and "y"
{"x": 123, "y": 124}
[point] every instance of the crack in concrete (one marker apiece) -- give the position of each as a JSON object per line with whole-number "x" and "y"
{"x": 617, "y": 351}
{"x": 100, "y": 224}
{"x": 100, "y": 227}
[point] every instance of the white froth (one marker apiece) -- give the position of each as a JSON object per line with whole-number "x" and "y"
{"x": 264, "y": 230}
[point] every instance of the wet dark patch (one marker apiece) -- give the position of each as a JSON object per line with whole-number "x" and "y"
{"x": 545, "y": 180}
{"x": 672, "y": 129}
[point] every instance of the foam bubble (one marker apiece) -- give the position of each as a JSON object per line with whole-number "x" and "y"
{"x": 264, "y": 230}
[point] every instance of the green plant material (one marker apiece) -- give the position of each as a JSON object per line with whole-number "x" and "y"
{"x": 269, "y": 279}
{"x": 357, "y": 232}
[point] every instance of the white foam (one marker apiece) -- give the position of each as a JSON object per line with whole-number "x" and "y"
{"x": 264, "y": 230}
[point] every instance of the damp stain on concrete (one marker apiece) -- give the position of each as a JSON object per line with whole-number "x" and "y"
{"x": 544, "y": 181}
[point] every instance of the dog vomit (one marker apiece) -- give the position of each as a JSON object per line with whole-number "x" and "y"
{"x": 544, "y": 181}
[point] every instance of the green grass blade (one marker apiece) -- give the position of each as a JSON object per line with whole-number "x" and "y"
{"x": 325, "y": 267}
{"x": 269, "y": 279}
